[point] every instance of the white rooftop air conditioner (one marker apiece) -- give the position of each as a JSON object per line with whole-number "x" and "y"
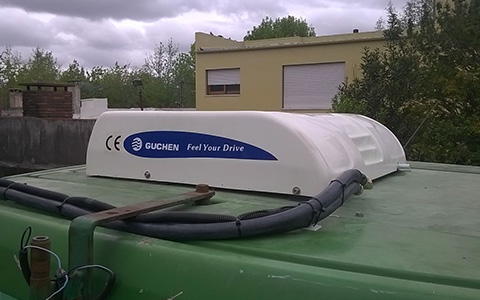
{"x": 275, "y": 152}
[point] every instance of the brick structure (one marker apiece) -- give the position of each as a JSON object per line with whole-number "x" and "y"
{"x": 47, "y": 100}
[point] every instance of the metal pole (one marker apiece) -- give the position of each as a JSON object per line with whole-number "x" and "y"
{"x": 40, "y": 266}
{"x": 421, "y": 124}
{"x": 140, "y": 97}
{"x": 181, "y": 90}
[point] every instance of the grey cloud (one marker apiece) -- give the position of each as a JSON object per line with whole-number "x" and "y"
{"x": 105, "y": 9}
{"x": 255, "y": 9}
{"x": 146, "y": 10}
{"x": 101, "y": 43}
{"x": 101, "y": 32}
{"x": 367, "y": 4}
{"x": 346, "y": 21}
{"x": 89, "y": 56}
{"x": 26, "y": 33}
{"x": 91, "y": 43}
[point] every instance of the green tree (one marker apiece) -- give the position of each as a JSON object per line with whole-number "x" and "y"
{"x": 42, "y": 66}
{"x": 116, "y": 84}
{"x": 74, "y": 72}
{"x": 10, "y": 65}
{"x": 77, "y": 73}
{"x": 391, "y": 80}
{"x": 449, "y": 42}
{"x": 169, "y": 77}
{"x": 163, "y": 61}
{"x": 154, "y": 90}
{"x": 92, "y": 86}
{"x": 280, "y": 27}
{"x": 428, "y": 74}
{"x": 185, "y": 78}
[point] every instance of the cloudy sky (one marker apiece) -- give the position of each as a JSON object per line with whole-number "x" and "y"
{"x": 100, "y": 32}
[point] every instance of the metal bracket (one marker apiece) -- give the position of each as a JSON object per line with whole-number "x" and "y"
{"x": 80, "y": 237}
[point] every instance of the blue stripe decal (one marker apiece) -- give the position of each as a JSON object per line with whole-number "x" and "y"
{"x": 180, "y": 144}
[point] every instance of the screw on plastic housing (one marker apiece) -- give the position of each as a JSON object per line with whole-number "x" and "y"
{"x": 147, "y": 174}
{"x": 296, "y": 191}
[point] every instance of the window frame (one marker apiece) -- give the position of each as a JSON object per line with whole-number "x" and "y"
{"x": 223, "y": 88}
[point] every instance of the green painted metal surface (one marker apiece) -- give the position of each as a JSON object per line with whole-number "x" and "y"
{"x": 4, "y": 296}
{"x": 81, "y": 232}
{"x": 414, "y": 236}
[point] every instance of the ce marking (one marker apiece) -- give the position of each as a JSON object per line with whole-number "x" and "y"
{"x": 115, "y": 143}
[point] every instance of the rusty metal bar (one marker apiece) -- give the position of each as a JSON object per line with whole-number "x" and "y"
{"x": 80, "y": 239}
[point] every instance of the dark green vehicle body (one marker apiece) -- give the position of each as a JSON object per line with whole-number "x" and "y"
{"x": 415, "y": 235}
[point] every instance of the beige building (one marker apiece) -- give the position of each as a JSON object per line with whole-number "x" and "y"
{"x": 289, "y": 74}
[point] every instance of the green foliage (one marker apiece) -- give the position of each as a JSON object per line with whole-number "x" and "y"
{"x": 74, "y": 72}
{"x": 40, "y": 67}
{"x": 185, "y": 76}
{"x": 92, "y": 86}
{"x": 10, "y": 65}
{"x": 429, "y": 70}
{"x": 280, "y": 27}
{"x": 115, "y": 83}
{"x": 163, "y": 61}
{"x": 168, "y": 77}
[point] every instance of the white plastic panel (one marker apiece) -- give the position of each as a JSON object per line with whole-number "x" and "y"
{"x": 261, "y": 151}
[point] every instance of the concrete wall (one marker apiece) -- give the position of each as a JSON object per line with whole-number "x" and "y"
{"x": 261, "y": 65}
{"x": 33, "y": 143}
{"x": 15, "y": 98}
{"x": 76, "y": 95}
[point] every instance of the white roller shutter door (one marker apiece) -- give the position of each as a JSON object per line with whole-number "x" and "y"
{"x": 311, "y": 86}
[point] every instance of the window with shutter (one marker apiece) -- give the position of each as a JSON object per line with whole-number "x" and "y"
{"x": 223, "y": 81}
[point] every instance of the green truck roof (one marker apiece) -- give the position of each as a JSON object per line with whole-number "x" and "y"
{"x": 415, "y": 235}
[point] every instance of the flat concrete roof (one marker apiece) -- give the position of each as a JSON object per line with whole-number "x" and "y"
{"x": 231, "y": 45}
{"x": 46, "y": 84}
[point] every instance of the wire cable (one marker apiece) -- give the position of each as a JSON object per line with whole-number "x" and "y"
{"x": 109, "y": 284}
{"x": 58, "y": 261}
{"x": 60, "y": 289}
{"x": 91, "y": 267}
{"x": 23, "y": 242}
{"x": 46, "y": 250}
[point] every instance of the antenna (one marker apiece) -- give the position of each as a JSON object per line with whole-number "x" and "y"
{"x": 421, "y": 124}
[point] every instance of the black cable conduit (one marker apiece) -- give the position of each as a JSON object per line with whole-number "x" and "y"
{"x": 174, "y": 225}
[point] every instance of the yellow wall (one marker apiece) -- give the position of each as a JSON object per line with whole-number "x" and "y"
{"x": 261, "y": 65}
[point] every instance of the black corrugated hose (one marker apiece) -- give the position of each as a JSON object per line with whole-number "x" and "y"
{"x": 173, "y": 225}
